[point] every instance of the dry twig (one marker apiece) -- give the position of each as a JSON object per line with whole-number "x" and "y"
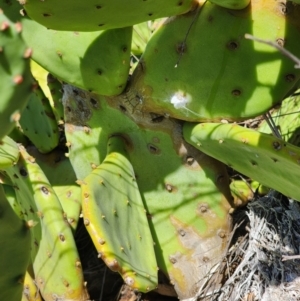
{"x": 278, "y": 47}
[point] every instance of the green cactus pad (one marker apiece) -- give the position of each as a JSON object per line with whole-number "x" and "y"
{"x": 9, "y": 152}
{"x": 38, "y": 122}
{"x": 15, "y": 83}
{"x": 97, "y": 62}
{"x": 56, "y": 91}
{"x": 93, "y": 15}
{"x": 15, "y": 251}
{"x": 269, "y": 160}
{"x": 51, "y": 87}
{"x": 287, "y": 120}
{"x": 141, "y": 35}
{"x": 186, "y": 193}
{"x": 115, "y": 218}
{"x": 56, "y": 264}
{"x": 17, "y": 135}
{"x": 199, "y": 66}
{"x": 260, "y": 189}
{"x": 12, "y": 199}
{"x": 232, "y": 4}
{"x": 60, "y": 173}
{"x": 242, "y": 192}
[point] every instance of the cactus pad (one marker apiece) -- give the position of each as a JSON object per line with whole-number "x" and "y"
{"x": 192, "y": 70}
{"x": 15, "y": 253}
{"x": 95, "y": 61}
{"x": 60, "y": 173}
{"x": 93, "y": 15}
{"x": 56, "y": 91}
{"x": 287, "y": 120}
{"x": 56, "y": 264}
{"x": 15, "y": 83}
{"x": 186, "y": 193}
{"x": 38, "y": 122}
{"x": 232, "y": 4}
{"x": 116, "y": 220}
{"x": 269, "y": 160}
{"x": 9, "y": 152}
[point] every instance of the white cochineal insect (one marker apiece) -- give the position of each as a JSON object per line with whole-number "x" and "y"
{"x": 180, "y": 99}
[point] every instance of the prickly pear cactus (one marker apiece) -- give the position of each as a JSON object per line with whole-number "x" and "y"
{"x": 60, "y": 173}
{"x": 52, "y": 88}
{"x": 54, "y": 257}
{"x": 55, "y": 88}
{"x": 185, "y": 193}
{"x": 242, "y": 192}
{"x": 199, "y": 66}
{"x": 15, "y": 83}
{"x": 95, "y": 61}
{"x": 286, "y": 119}
{"x": 42, "y": 130}
{"x": 269, "y": 160}
{"x": 111, "y": 203}
{"x": 15, "y": 253}
{"x": 9, "y": 152}
{"x": 232, "y": 4}
{"x": 141, "y": 35}
{"x": 101, "y": 16}
{"x": 155, "y": 198}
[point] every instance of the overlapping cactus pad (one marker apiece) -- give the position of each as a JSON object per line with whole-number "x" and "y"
{"x": 200, "y": 67}
{"x": 95, "y": 61}
{"x": 14, "y": 260}
{"x": 185, "y": 193}
{"x": 108, "y": 137}
{"x": 116, "y": 220}
{"x": 100, "y": 15}
{"x": 286, "y": 119}
{"x": 15, "y": 83}
{"x": 54, "y": 257}
{"x": 9, "y": 152}
{"x": 269, "y": 160}
{"x": 41, "y": 130}
{"x": 61, "y": 176}
{"x": 233, "y": 4}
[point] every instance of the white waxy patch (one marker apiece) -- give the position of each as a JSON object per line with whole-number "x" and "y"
{"x": 180, "y": 100}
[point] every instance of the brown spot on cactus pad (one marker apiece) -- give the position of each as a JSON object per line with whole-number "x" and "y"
{"x": 153, "y": 149}
{"x": 62, "y": 237}
{"x": 202, "y": 208}
{"x": 276, "y": 145}
{"x": 45, "y": 190}
{"x": 290, "y": 77}
{"x": 232, "y": 45}
{"x": 236, "y": 92}
{"x": 170, "y": 188}
{"x": 113, "y": 265}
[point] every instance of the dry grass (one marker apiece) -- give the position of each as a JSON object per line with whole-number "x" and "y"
{"x": 262, "y": 261}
